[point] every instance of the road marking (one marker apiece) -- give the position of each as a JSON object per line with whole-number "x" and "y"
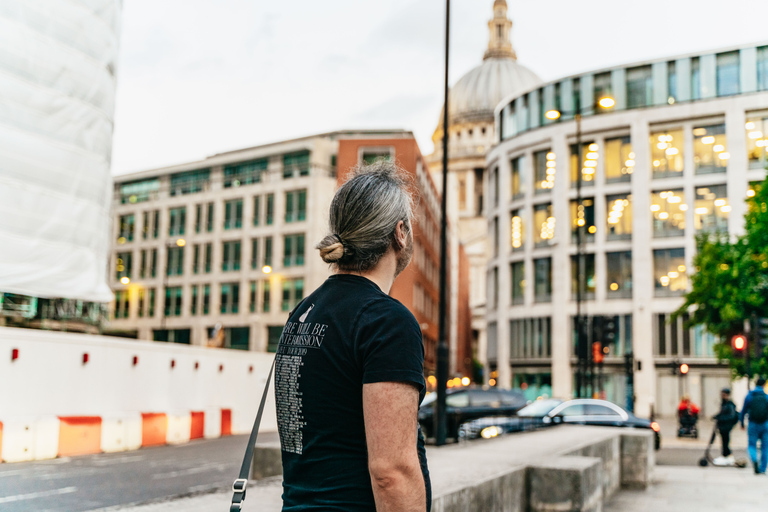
{"x": 190, "y": 471}
{"x": 41, "y": 494}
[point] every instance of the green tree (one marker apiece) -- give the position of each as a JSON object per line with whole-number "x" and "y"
{"x": 730, "y": 283}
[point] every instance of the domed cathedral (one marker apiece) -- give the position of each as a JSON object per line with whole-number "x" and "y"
{"x": 471, "y": 104}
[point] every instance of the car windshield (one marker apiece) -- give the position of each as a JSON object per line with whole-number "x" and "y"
{"x": 539, "y": 408}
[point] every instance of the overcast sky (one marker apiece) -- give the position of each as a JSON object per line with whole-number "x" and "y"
{"x": 197, "y": 77}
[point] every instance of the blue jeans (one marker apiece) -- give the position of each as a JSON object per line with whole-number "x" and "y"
{"x": 759, "y": 431}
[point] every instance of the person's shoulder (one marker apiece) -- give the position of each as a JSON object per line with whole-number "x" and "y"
{"x": 384, "y": 304}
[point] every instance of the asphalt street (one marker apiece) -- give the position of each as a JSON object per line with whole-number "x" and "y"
{"x": 95, "y": 482}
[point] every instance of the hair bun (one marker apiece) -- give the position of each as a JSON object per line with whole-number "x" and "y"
{"x": 332, "y": 253}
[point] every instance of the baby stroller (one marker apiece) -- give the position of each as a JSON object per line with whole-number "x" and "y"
{"x": 687, "y": 421}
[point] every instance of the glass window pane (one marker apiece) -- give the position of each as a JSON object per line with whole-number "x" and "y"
{"x": 619, "y": 274}
{"x": 544, "y": 167}
{"x": 517, "y": 270}
{"x": 543, "y": 224}
{"x": 619, "y": 221}
{"x": 517, "y": 231}
{"x": 669, "y": 271}
{"x": 589, "y": 157}
{"x": 695, "y": 79}
{"x": 668, "y": 210}
{"x": 639, "y": 87}
{"x": 757, "y": 142}
{"x": 667, "y": 153}
{"x": 543, "y": 276}
{"x": 711, "y": 209}
{"x": 710, "y": 149}
{"x": 762, "y": 68}
{"x": 518, "y": 178}
{"x": 583, "y": 216}
{"x": 603, "y": 87}
{"x": 728, "y": 74}
{"x": 589, "y": 276}
{"x": 619, "y": 160}
{"x": 671, "y": 82}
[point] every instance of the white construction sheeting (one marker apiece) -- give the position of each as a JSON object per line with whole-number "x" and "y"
{"x": 57, "y": 94}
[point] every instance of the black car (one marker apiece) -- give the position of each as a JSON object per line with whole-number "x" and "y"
{"x": 466, "y": 404}
{"x": 543, "y": 413}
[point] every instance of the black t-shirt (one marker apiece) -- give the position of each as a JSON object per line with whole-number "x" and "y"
{"x": 345, "y": 334}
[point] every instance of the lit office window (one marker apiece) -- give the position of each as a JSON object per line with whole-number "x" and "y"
{"x": 293, "y": 250}
{"x": 127, "y": 225}
{"x": 695, "y": 79}
{"x": 639, "y": 87}
{"x": 589, "y": 157}
{"x": 123, "y": 265}
{"x": 669, "y": 272}
{"x": 589, "y": 276}
{"x": 667, "y": 153}
{"x": 293, "y": 292}
{"x": 619, "y": 274}
{"x": 542, "y": 269}
{"x": 619, "y": 222}
{"x": 583, "y": 216}
{"x": 668, "y": 210}
{"x": 671, "y": 82}
{"x": 296, "y": 164}
{"x": 231, "y": 256}
{"x": 619, "y": 160}
{"x": 728, "y": 74}
{"x": 543, "y": 224}
{"x": 762, "y": 68}
{"x": 172, "y": 305}
{"x": 518, "y": 178}
{"x": 711, "y": 209}
{"x": 244, "y": 173}
{"x": 757, "y": 142}
{"x": 517, "y": 271}
{"x": 177, "y": 221}
{"x": 710, "y": 152}
{"x": 602, "y": 87}
{"x": 296, "y": 205}
{"x": 517, "y": 231}
{"x": 544, "y": 165}
{"x": 174, "y": 262}
{"x": 233, "y": 214}
{"x": 230, "y": 298}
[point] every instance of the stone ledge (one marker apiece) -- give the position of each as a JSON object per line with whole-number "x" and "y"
{"x": 566, "y": 484}
{"x": 638, "y": 458}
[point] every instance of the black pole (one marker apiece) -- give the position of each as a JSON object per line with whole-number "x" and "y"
{"x": 581, "y": 342}
{"x": 442, "y": 344}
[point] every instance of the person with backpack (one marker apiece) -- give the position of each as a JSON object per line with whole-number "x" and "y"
{"x": 756, "y": 408}
{"x": 726, "y": 419}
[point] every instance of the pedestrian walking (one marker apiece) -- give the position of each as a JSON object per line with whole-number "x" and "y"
{"x": 756, "y": 409}
{"x": 349, "y": 374}
{"x": 726, "y": 419}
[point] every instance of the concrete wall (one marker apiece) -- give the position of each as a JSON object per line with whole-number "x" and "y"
{"x": 49, "y": 388}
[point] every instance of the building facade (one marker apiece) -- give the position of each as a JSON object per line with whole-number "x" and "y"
{"x": 471, "y": 133}
{"x": 675, "y": 157}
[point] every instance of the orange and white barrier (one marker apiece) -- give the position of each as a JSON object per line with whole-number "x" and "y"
{"x": 179, "y": 428}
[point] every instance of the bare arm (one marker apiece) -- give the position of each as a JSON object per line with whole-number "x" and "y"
{"x": 391, "y": 426}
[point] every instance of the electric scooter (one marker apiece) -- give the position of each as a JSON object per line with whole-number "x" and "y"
{"x": 707, "y": 458}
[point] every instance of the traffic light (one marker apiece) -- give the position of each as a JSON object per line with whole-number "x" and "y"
{"x": 597, "y": 352}
{"x": 761, "y": 335}
{"x": 610, "y": 330}
{"x": 683, "y": 369}
{"x": 739, "y": 344}
{"x": 597, "y": 328}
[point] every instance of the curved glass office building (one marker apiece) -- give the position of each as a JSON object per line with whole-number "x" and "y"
{"x": 675, "y": 156}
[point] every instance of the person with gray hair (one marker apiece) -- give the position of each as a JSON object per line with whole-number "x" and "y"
{"x": 349, "y": 373}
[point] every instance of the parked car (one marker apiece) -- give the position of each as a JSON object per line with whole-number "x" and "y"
{"x": 544, "y": 413}
{"x": 466, "y": 404}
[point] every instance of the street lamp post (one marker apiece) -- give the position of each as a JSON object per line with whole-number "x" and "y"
{"x": 582, "y": 349}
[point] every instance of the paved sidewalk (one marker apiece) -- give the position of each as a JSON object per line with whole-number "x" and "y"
{"x": 682, "y": 489}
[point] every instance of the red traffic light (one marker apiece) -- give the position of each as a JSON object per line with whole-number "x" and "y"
{"x": 739, "y": 342}
{"x": 684, "y": 369}
{"x": 597, "y": 352}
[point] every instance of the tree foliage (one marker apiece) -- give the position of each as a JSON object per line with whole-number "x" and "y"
{"x": 730, "y": 283}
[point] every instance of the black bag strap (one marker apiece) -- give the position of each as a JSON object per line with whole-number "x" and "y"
{"x": 238, "y": 487}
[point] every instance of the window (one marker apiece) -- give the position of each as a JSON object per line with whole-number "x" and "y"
{"x": 619, "y": 274}
{"x": 462, "y": 179}
{"x": 293, "y": 250}
{"x": 619, "y": 221}
{"x": 274, "y": 332}
{"x": 233, "y": 214}
{"x": 139, "y": 191}
{"x": 757, "y": 141}
{"x": 518, "y": 179}
{"x": 255, "y": 253}
{"x": 517, "y": 231}
{"x": 196, "y": 259}
{"x": 517, "y": 271}
{"x": 122, "y": 305}
{"x": 265, "y": 295}
{"x": 127, "y": 224}
{"x": 602, "y": 410}
{"x": 145, "y": 225}
{"x": 667, "y": 153}
{"x": 172, "y": 306}
{"x": 151, "y": 305}
{"x": 530, "y": 338}
{"x": 295, "y": 205}
{"x": 589, "y": 157}
{"x": 728, "y": 82}
{"x": 495, "y": 185}
{"x": 172, "y": 335}
{"x": 296, "y": 164}
{"x": 193, "y": 303}
{"x": 231, "y": 256}
{"x": 293, "y": 292}
{"x": 576, "y": 95}
{"x": 668, "y": 210}
{"x": 494, "y": 275}
{"x": 619, "y": 160}
{"x": 671, "y": 82}
{"x": 198, "y": 218}
{"x": 209, "y": 218}
{"x": 542, "y": 268}
{"x": 143, "y": 264}
{"x": 589, "y": 276}
{"x": 495, "y": 235}
{"x": 268, "y": 251}
{"x": 252, "y": 297}
{"x": 543, "y": 224}
{"x": 639, "y": 87}
{"x": 478, "y": 193}
{"x": 256, "y": 210}
{"x": 174, "y": 263}
{"x": 603, "y": 87}
{"x": 153, "y": 262}
{"x": 141, "y": 292}
{"x": 206, "y": 299}
{"x": 177, "y": 221}
{"x": 245, "y": 173}
{"x": 270, "y": 209}
{"x": 544, "y": 166}
{"x": 711, "y": 209}
{"x": 583, "y": 216}
{"x": 709, "y": 149}
{"x": 190, "y": 182}
{"x": 669, "y": 272}
{"x": 762, "y": 68}
{"x": 370, "y": 157}
{"x": 124, "y": 264}
{"x": 230, "y": 298}
{"x": 155, "y": 223}
{"x": 208, "y": 257}
{"x": 695, "y": 79}
{"x": 237, "y": 338}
